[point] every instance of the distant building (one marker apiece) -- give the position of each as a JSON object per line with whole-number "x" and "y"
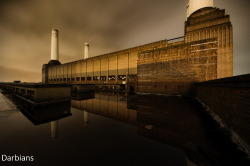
{"x": 165, "y": 67}
{"x": 17, "y": 81}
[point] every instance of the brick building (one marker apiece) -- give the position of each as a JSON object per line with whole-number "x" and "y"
{"x": 165, "y": 67}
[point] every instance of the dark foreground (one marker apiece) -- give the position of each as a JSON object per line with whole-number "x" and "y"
{"x": 115, "y": 129}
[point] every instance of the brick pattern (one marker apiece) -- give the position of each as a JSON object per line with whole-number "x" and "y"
{"x": 229, "y": 98}
{"x": 213, "y": 23}
{"x": 174, "y": 69}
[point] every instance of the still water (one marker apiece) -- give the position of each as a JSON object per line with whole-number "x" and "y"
{"x": 115, "y": 129}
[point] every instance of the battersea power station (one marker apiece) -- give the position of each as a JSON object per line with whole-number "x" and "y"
{"x": 170, "y": 66}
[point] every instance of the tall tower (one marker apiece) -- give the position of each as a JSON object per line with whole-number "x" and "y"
{"x": 205, "y": 22}
{"x": 86, "y": 51}
{"x": 54, "y": 45}
{"x": 195, "y": 5}
{"x": 54, "y": 56}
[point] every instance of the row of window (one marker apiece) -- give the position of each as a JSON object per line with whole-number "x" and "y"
{"x": 95, "y": 78}
{"x": 29, "y": 94}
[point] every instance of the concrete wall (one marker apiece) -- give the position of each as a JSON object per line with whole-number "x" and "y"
{"x": 229, "y": 98}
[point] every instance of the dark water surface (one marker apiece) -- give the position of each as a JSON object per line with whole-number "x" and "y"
{"x": 116, "y": 129}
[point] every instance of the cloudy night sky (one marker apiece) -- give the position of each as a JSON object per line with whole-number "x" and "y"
{"x": 107, "y": 25}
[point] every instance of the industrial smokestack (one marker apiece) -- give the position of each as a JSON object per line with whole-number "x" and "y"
{"x": 54, "y": 45}
{"x": 86, "y": 51}
{"x": 195, "y": 5}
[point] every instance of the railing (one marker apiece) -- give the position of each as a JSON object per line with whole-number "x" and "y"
{"x": 178, "y": 39}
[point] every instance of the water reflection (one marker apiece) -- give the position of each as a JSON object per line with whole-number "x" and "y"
{"x": 86, "y": 118}
{"x": 176, "y": 121}
{"x": 82, "y": 96}
{"x": 108, "y": 105}
{"x": 41, "y": 114}
{"x": 54, "y": 129}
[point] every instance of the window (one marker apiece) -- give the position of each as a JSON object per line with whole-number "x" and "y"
{"x": 30, "y": 94}
{"x": 77, "y": 78}
{"x": 22, "y": 92}
{"x": 103, "y": 78}
{"x": 89, "y": 78}
{"x": 83, "y": 78}
{"x": 122, "y": 77}
{"x": 96, "y": 78}
{"x": 111, "y": 77}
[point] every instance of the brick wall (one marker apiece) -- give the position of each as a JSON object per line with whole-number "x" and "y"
{"x": 213, "y": 23}
{"x": 229, "y": 98}
{"x": 174, "y": 69}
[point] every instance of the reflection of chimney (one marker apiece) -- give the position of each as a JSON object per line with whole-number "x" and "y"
{"x": 86, "y": 118}
{"x": 86, "y": 51}
{"x": 54, "y": 45}
{"x": 54, "y": 129}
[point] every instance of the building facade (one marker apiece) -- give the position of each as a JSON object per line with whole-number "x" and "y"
{"x": 165, "y": 67}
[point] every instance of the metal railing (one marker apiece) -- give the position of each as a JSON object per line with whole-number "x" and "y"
{"x": 178, "y": 39}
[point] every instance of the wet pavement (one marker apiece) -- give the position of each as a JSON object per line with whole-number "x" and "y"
{"x": 117, "y": 129}
{"x": 5, "y": 103}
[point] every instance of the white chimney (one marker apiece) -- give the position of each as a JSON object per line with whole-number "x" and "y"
{"x": 195, "y": 5}
{"x": 86, "y": 51}
{"x": 54, "y": 45}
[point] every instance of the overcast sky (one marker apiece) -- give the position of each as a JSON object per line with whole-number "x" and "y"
{"x": 107, "y": 25}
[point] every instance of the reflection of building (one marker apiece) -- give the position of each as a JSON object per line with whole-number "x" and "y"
{"x": 180, "y": 122}
{"x": 108, "y": 105}
{"x": 82, "y": 96}
{"x": 177, "y": 122}
{"x": 167, "y": 66}
{"x": 176, "y": 118}
{"x": 45, "y": 114}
